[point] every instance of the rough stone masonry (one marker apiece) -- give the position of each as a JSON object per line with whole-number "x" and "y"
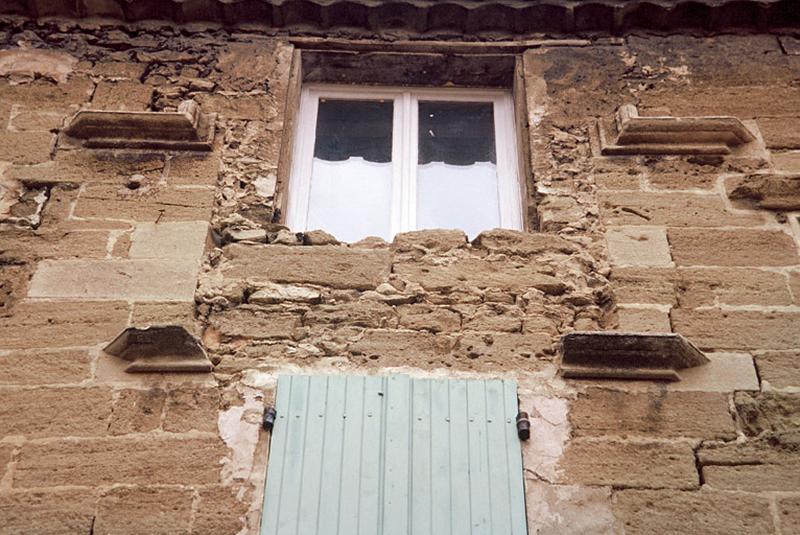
{"x": 94, "y": 240}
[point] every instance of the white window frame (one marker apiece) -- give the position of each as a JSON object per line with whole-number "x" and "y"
{"x": 405, "y": 149}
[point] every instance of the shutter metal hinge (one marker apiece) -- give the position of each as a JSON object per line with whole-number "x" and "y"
{"x": 269, "y": 418}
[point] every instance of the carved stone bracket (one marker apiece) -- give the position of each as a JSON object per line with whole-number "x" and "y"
{"x": 630, "y": 134}
{"x": 185, "y": 129}
{"x": 160, "y": 348}
{"x": 770, "y": 191}
{"x": 620, "y": 355}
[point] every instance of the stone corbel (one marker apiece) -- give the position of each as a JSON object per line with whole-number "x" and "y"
{"x": 160, "y": 348}
{"x": 629, "y": 134}
{"x": 185, "y": 129}
{"x": 621, "y": 355}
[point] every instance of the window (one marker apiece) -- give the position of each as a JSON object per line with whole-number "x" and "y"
{"x": 373, "y": 161}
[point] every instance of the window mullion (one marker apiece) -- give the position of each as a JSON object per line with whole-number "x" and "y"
{"x": 300, "y": 189}
{"x": 410, "y": 161}
{"x": 398, "y": 128}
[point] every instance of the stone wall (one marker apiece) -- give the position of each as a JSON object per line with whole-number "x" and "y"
{"x": 92, "y": 241}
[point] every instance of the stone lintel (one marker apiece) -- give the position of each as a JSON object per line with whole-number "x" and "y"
{"x": 631, "y": 134}
{"x": 160, "y": 348}
{"x": 623, "y": 355}
{"x": 185, "y": 129}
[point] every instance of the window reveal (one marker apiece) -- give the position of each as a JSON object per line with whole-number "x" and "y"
{"x": 377, "y": 161}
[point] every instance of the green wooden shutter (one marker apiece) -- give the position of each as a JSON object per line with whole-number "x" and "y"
{"x": 356, "y": 455}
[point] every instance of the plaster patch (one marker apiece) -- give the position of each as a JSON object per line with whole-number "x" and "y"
{"x": 239, "y": 428}
{"x": 569, "y": 509}
{"x": 549, "y": 434}
{"x": 24, "y": 64}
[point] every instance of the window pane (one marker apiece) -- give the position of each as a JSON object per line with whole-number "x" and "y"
{"x": 351, "y": 177}
{"x": 457, "y": 168}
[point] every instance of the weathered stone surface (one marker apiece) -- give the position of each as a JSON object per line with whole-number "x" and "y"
{"x": 503, "y": 274}
{"x": 250, "y": 322}
{"x": 180, "y": 240}
{"x": 789, "y": 515}
{"x": 41, "y": 367}
{"x": 766, "y": 464}
{"x": 494, "y": 317}
{"x": 725, "y": 372}
{"x": 54, "y": 244}
{"x": 192, "y": 408}
{"x": 643, "y": 320}
{"x": 670, "y": 209}
{"x": 354, "y": 314}
{"x": 719, "y": 330}
{"x": 631, "y": 246}
{"x": 162, "y": 204}
{"x": 337, "y": 267}
{"x": 26, "y": 148}
{"x": 774, "y": 191}
{"x": 643, "y": 285}
{"x": 607, "y": 354}
{"x": 44, "y": 412}
{"x": 270, "y": 293}
{"x": 744, "y": 102}
{"x": 422, "y": 317}
{"x": 514, "y": 242}
{"x": 194, "y": 169}
{"x": 439, "y": 240}
{"x": 121, "y": 95}
{"x": 27, "y": 64}
{"x": 503, "y": 349}
{"x": 602, "y": 412}
{"x": 219, "y": 511}
{"x": 36, "y": 121}
{"x": 120, "y": 460}
{"x": 621, "y": 464}
{"x": 129, "y": 511}
{"x": 705, "y": 511}
{"x": 393, "y": 347}
{"x": 319, "y": 237}
{"x": 741, "y": 247}
{"x": 48, "y": 512}
{"x": 169, "y": 313}
{"x": 137, "y": 411}
{"x": 43, "y": 95}
{"x": 140, "y": 279}
{"x": 97, "y": 166}
{"x": 40, "y": 324}
{"x": 730, "y": 286}
{"x": 768, "y": 411}
{"x": 159, "y": 348}
{"x": 568, "y": 509}
{"x": 788, "y": 162}
{"x": 780, "y": 132}
{"x": 781, "y": 369}
{"x": 794, "y": 285}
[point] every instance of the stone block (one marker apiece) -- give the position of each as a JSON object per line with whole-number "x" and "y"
{"x": 781, "y": 369}
{"x": 96, "y": 166}
{"x": 780, "y": 132}
{"x": 24, "y": 64}
{"x": 643, "y": 285}
{"x": 156, "y": 511}
{"x": 730, "y": 286}
{"x": 170, "y": 313}
{"x": 162, "y": 204}
{"x": 632, "y": 246}
{"x": 621, "y": 464}
{"x": 121, "y": 95}
{"x": 247, "y": 107}
{"x": 768, "y": 191}
{"x": 744, "y": 102}
{"x": 788, "y": 162}
{"x": 55, "y": 244}
{"x": 502, "y": 350}
{"x": 643, "y": 320}
{"x": 137, "y": 411}
{"x": 706, "y": 511}
{"x": 270, "y": 293}
{"x": 794, "y": 285}
{"x": 435, "y": 240}
{"x": 568, "y": 509}
{"x": 180, "y": 240}
{"x": 492, "y": 317}
{"x": 717, "y": 330}
{"x": 41, "y": 367}
{"x": 192, "y": 408}
{"x": 603, "y": 412}
{"x": 423, "y": 317}
{"x": 194, "y": 169}
{"x": 119, "y": 69}
{"x": 36, "y": 121}
{"x": 48, "y": 412}
{"x": 385, "y": 347}
{"x": 134, "y": 280}
{"x": 219, "y": 511}
{"x": 670, "y": 210}
{"x": 47, "y": 512}
{"x": 741, "y": 247}
{"x": 769, "y": 464}
{"x": 725, "y": 372}
{"x": 515, "y": 242}
{"x": 120, "y": 461}
{"x": 503, "y": 274}
{"x": 51, "y": 324}
{"x": 44, "y": 95}
{"x": 26, "y": 148}
{"x": 249, "y": 322}
{"x": 334, "y": 266}
{"x": 789, "y": 515}
{"x": 768, "y": 411}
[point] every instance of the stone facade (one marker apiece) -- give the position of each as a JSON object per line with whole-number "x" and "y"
{"x": 96, "y": 240}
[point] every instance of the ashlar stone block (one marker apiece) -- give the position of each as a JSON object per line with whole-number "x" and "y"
{"x": 638, "y": 246}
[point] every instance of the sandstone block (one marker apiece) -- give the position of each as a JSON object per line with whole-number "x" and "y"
{"x": 354, "y": 314}
{"x": 53, "y": 324}
{"x": 170, "y": 313}
{"x": 423, "y": 317}
{"x": 270, "y": 293}
{"x": 504, "y": 274}
{"x": 744, "y": 102}
{"x": 439, "y": 240}
{"x": 139, "y": 279}
{"x": 44, "y": 412}
{"x": 719, "y": 330}
{"x": 643, "y": 285}
{"x": 630, "y": 246}
{"x": 55, "y": 244}
{"x": 788, "y": 162}
{"x": 647, "y": 320}
{"x": 137, "y": 411}
{"x": 248, "y": 107}
{"x": 192, "y": 408}
{"x": 625, "y": 464}
{"x": 131, "y": 511}
{"x": 725, "y": 372}
{"x": 37, "y": 121}
{"x": 568, "y": 509}
{"x": 789, "y": 515}
{"x": 768, "y": 411}
{"x": 122, "y": 460}
{"x": 250, "y": 322}
{"x": 43, "y": 95}
{"x": 194, "y": 170}
{"x": 794, "y": 285}
{"x": 96, "y": 166}
{"x": 122, "y": 95}
{"x": 493, "y": 317}
{"x": 26, "y": 148}
{"x": 760, "y": 465}
{"x": 705, "y": 511}
{"x": 337, "y": 267}
{"x": 162, "y": 204}
{"x": 500, "y": 350}
{"x": 47, "y": 512}
{"x": 218, "y": 512}
{"x": 180, "y": 240}
{"x": 780, "y": 132}
{"x": 731, "y": 286}
{"x": 670, "y": 209}
{"x": 601, "y": 412}
{"x": 741, "y": 247}
{"x": 119, "y": 69}
{"x": 44, "y": 367}
{"x": 515, "y": 242}
{"x": 401, "y": 347}
{"x": 781, "y": 369}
